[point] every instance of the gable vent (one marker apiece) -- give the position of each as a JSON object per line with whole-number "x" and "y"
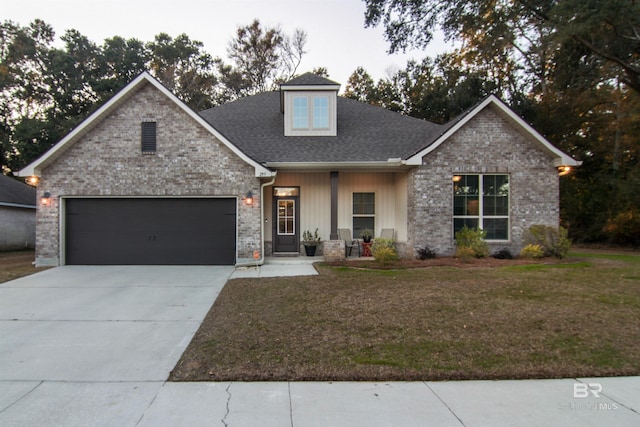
{"x": 148, "y": 137}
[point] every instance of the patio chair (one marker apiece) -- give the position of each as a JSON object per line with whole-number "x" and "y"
{"x": 387, "y": 233}
{"x": 349, "y": 243}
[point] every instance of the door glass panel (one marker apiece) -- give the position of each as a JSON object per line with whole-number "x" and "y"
{"x": 286, "y": 217}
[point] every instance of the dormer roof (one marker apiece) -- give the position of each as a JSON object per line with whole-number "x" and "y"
{"x": 310, "y": 81}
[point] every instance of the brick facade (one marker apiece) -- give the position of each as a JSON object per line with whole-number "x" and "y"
{"x": 107, "y": 162}
{"x": 487, "y": 144}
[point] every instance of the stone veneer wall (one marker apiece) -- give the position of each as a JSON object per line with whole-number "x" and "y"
{"x": 488, "y": 144}
{"x": 107, "y": 162}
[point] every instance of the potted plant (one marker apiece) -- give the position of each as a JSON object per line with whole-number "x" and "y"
{"x": 310, "y": 242}
{"x": 366, "y": 235}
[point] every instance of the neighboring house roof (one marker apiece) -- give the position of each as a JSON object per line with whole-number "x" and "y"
{"x": 16, "y": 194}
{"x": 90, "y": 122}
{"x": 365, "y": 133}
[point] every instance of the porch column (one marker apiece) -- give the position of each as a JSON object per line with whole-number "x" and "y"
{"x": 334, "y": 205}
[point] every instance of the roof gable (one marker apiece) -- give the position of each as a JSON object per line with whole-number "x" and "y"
{"x": 96, "y": 117}
{"x": 561, "y": 158}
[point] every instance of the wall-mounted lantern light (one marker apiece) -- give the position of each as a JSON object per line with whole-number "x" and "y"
{"x": 46, "y": 199}
{"x": 564, "y": 170}
{"x": 248, "y": 199}
{"x": 32, "y": 180}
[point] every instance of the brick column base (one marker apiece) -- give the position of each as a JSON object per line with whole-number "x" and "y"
{"x": 333, "y": 250}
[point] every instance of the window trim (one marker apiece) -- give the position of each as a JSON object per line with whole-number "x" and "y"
{"x": 481, "y": 216}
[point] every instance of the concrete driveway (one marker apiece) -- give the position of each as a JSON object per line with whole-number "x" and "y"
{"x": 80, "y": 342}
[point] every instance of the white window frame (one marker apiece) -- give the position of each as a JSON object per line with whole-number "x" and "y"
{"x": 481, "y": 217}
{"x": 310, "y": 130}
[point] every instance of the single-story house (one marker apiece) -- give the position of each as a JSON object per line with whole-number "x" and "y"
{"x": 17, "y": 215}
{"x": 146, "y": 180}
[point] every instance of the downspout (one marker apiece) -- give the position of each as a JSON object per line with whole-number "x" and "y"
{"x": 260, "y": 261}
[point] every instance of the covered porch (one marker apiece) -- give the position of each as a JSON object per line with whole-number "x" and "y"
{"x": 354, "y": 200}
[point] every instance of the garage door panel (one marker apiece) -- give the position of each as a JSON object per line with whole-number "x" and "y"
{"x": 150, "y": 231}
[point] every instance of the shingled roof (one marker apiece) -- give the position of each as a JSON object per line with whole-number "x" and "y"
{"x": 310, "y": 79}
{"x": 366, "y": 133}
{"x": 16, "y": 193}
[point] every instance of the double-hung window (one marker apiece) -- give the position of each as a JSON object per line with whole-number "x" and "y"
{"x": 482, "y": 201}
{"x": 364, "y": 213}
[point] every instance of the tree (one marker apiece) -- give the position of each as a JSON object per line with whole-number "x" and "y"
{"x": 24, "y": 93}
{"x": 123, "y": 60}
{"x": 530, "y": 30}
{"x": 360, "y": 86}
{"x": 184, "y": 68}
{"x": 262, "y": 58}
{"x": 435, "y": 90}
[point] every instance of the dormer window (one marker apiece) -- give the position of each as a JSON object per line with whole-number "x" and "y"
{"x": 310, "y": 112}
{"x": 309, "y": 106}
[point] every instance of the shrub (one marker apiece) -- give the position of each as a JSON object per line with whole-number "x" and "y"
{"x": 473, "y": 239}
{"x": 552, "y": 240}
{"x": 384, "y": 251}
{"x": 503, "y": 253}
{"x": 532, "y": 251}
{"x": 465, "y": 253}
{"x": 426, "y": 253}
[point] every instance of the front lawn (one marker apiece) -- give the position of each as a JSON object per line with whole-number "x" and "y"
{"x": 14, "y": 265}
{"x": 577, "y": 318}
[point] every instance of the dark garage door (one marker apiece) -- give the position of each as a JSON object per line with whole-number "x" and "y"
{"x": 150, "y": 231}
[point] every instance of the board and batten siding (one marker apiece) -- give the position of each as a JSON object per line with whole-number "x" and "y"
{"x": 390, "y": 189}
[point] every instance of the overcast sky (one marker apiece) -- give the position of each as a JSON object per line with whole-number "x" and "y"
{"x": 337, "y": 38}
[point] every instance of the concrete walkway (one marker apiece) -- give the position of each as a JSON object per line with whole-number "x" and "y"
{"x": 93, "y": 346}
{"x": 279, "y": 267}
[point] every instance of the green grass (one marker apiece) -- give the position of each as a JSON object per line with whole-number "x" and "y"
{"x": 632, "y": 259}
{"x": 533, "y": 267}
{"x": 575, "y": 318}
